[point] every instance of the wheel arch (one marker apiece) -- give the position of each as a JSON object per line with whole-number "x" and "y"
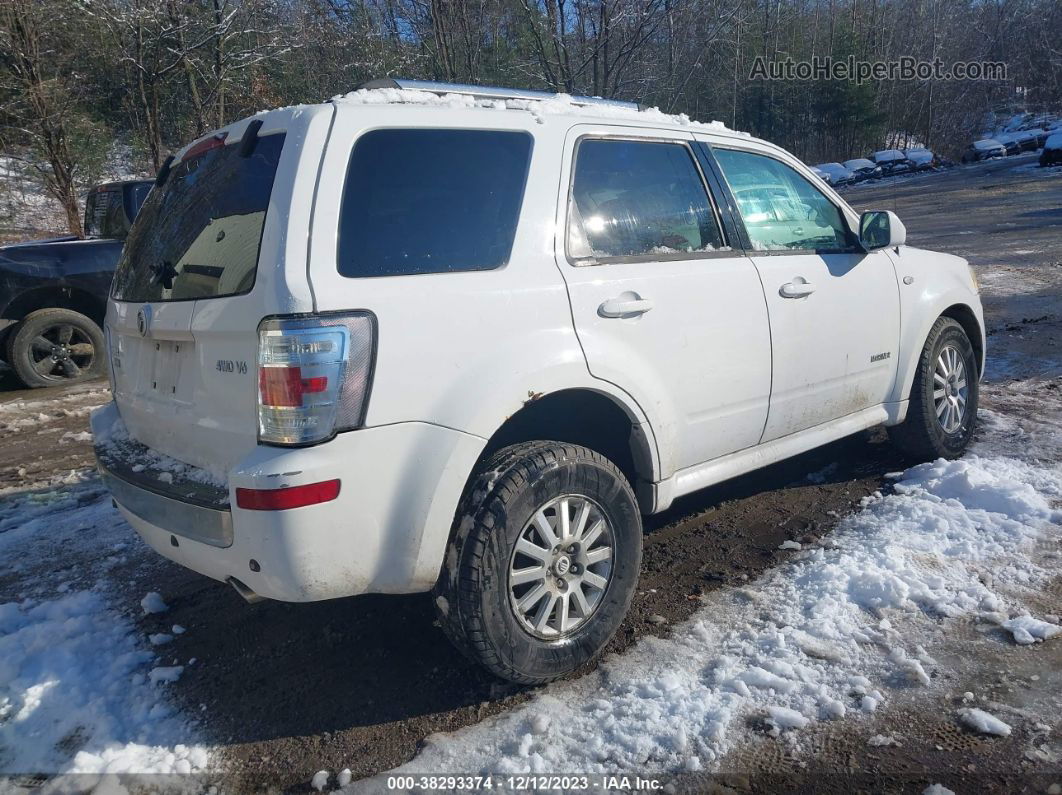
{"x": 963, "y": 313}
{"x": 588, "y": 417}
{"x": 614, "y": 427}
{"x": 57, "y": 296}
{"x": 965, "y": 317}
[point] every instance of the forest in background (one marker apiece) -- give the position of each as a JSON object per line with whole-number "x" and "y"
{"x": 77, "y": 75}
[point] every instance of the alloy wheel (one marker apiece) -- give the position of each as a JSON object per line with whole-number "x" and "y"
{"x": 561, "y": 566}
{"x": 62, "y": 351}
{"x": 950, "y": 390}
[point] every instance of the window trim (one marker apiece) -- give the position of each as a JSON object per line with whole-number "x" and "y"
{"x": 585, "y": 262}
{"x": 853, "y": 239}
{"x": 349, "y": 158}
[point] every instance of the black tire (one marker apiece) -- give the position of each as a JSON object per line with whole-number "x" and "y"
{"x": 473, "y": 599}
{"x": 52, "y": 347}
{"x": 922, "y": 434}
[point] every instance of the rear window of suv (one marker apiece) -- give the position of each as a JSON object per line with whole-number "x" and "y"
{"x": 431, "y": 201}
{"x": 198, "y": 235}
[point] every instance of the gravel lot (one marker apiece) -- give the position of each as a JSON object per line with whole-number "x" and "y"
{"x": 287, "y": 690}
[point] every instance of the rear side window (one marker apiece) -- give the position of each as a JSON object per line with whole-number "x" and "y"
{"x": 109, "y": 211}
{"x": 431, "y": 201}
{"x": 198, "y": 235}
{"x": 104, "y": 214}
{"x": 638, "y": 199}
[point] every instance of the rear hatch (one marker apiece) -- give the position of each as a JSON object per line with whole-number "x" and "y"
{"x": 217, "y": 247}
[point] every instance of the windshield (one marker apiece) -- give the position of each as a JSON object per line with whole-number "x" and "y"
{"x": 198, "y": 235}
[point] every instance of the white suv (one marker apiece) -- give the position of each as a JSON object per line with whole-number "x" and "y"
{"x": 455, "y": 339}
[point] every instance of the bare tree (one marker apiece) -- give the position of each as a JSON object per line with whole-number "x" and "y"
{"x": 43, "y": 105}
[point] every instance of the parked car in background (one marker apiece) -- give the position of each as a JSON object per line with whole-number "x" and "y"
{"x": 513, "y": 488}
{"x": 863, "y": 169}
{"x": 1039, "y": 122}
{"x": 53, "y": 293}
{"x": 921, "y": 159}
{"x": 1052, "y": 154}
{"x": 836, "y": 174}
{"x": 818, "y": 172}
{"x": 1010, "y": 142}
{"x": 1030, "y": 140}
{"x": 1015, "y": 122}
{"x": 892, "y": 161}
{"x": 985, "y": 149}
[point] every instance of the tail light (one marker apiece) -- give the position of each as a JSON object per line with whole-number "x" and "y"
{"x": 314, "y": 375}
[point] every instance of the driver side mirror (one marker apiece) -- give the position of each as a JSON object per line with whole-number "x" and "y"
{"x": 881, "y": 229}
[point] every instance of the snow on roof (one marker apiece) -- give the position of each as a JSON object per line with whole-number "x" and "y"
{"x": 554, "y": 105}
{"x": 1054, "y": 141}
{"x": 987, "y": 143}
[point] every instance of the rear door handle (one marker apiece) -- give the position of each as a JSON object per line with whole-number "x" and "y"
{"x": 797, "y": 288}
{"x": 625, "y": 307}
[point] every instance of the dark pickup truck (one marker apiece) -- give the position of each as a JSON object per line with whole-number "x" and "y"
{"x": 53, "y": 293}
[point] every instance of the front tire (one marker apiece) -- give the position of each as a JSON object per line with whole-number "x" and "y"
{"x": 543, "y": 563}
{"x": 52, "y": 347}
{"x": 942, "y": 413}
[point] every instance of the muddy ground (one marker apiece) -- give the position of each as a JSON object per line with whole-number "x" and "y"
{"x": 286, "y": 690}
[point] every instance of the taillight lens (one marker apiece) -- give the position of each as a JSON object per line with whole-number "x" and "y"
{"x": 313, "y": 376}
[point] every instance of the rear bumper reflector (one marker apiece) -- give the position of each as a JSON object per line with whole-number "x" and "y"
{"x": 291, "y": 497}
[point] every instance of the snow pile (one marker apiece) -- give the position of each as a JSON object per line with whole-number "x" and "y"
{"x": 937, "y": 789}
{"x": 153, "y": 603}
{"x": 984, "y": 722}
{"x": 117, "y": 443}
{"x": 1027, "y": 630}
{"x": 555, "y": 105}
{"x": 831, "y": 631}
{"x": 74, "y": 697}
{"x": 76, "y": 689}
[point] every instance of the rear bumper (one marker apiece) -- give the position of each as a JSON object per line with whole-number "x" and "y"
{"x": 385, "y": 533}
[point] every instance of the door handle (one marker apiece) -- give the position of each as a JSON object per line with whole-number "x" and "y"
{"x": 797, "y": 288}
{"x": 624, "y": 307}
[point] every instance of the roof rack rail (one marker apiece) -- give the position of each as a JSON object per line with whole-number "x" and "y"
{"x": 487, "y": 92}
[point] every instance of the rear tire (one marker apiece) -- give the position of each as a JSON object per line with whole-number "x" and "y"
{"x": 501, "y": 557}
{"x": 942, "y": 412}
{"x": 52, "y": 347}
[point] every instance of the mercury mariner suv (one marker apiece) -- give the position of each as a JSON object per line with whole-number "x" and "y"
{"x": 456, "y": 339}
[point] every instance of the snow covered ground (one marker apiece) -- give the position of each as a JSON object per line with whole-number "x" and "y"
{"x": 81, "y": 689}
{"x": 842, "y": 629}
{"x": 830, "y": 636}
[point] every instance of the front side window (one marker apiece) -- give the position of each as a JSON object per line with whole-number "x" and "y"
{"x": 638, "y": 199}
{"x": 781, "y": 209}
{"x": 431, "y": 201}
